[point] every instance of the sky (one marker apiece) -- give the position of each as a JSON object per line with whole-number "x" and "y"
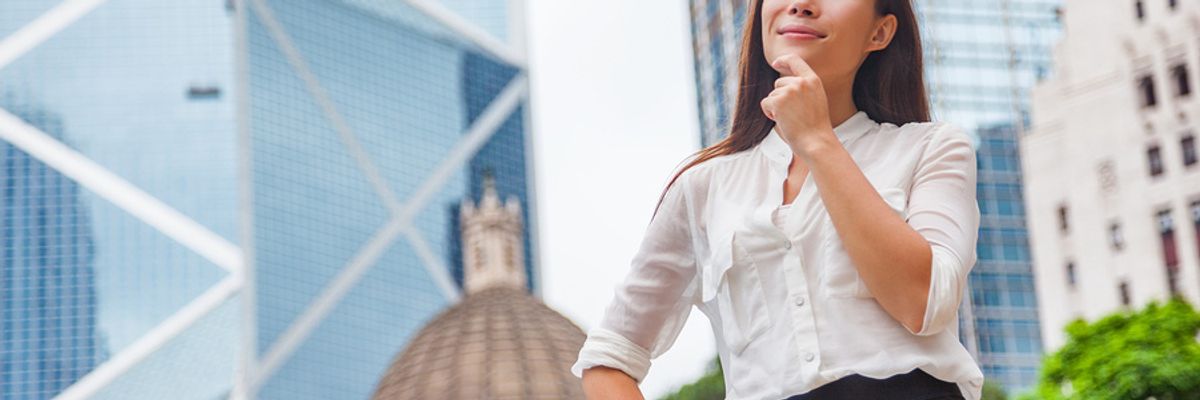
{"x": 614, "y": 113}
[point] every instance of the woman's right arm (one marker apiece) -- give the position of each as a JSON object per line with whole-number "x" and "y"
{"x": 602, "y": 382}
{"x": 649, "y": 307}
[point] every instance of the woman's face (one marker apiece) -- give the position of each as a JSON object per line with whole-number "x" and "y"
{"x": 832, "y": 36}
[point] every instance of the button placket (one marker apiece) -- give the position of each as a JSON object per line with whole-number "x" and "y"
{"x": 801, "y": 311}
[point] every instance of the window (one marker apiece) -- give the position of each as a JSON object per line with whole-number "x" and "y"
{"x": 1166, "y": 230}
{"x": 1062, "y": 218}
{"x": 1188, "y": 146}
{"x": 510, "y": 256}
{"x": 1154, "y": 157}
{"x": 1195, "y": 211}
{"x": 1071, "y": 274}
{"x": 1173, "y": 281}
{"x": 1115, "y": 238}
{"x": 203, "y": 92}
{"x": 1179, "y": 75}
{"x": 1108, "y": 175}
{"x": 1146, "y": 88}
{"x": 1139, "y": 9}
{"x": 1124, "y": 289}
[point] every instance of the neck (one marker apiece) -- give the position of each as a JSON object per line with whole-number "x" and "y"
{"x": 841, "y": 102}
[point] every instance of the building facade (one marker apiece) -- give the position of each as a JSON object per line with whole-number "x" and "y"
{"x": 360, "y": 151}
{"x": 716, "y": 45}
{"x": 1113, "y": 183}
{"x": 136, "y": 119}
{"x": 981, "y": 59}
{"x": 499, "y": 342}
{"x": 48, "y": 335}
{"x": 270, "y": 189}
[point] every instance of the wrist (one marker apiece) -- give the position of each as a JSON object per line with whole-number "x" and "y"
{"x": 816, "y": 144}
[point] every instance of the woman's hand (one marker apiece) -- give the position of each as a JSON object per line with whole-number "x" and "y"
{"x": 798, "y": 105}
{"x": 601, "y": 383}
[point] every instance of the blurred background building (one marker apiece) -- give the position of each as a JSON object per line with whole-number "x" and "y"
{"x": 981, "y": 59}
{"x": 1113, "y": 180}
{"x": 245, "y": 199}
{"x": 499, "y": 342}
{"x": 215, "y": 199}
{"x": 123, "y": 112}
{"x": 47, "y": 282}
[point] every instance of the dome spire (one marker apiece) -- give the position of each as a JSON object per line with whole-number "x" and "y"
{"x": 492, "y": 240}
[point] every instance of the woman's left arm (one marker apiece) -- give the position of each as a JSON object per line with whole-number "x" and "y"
{"x": 916, "y": 267}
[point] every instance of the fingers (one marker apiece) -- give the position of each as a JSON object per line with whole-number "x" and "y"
{"x": 796, "y": 77}
{"x": 792, "y": 65}
{"x": 787, "y": 80}
{"x": 768, "y": 106}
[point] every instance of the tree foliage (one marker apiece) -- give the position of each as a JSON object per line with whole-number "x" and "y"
{"x": 1149, "y": 354}
{"x": 711, "y": 386}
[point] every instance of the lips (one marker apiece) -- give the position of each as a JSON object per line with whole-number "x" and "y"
{"x": 798, "y": 29}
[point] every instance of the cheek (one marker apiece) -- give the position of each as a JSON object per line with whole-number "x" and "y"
{"x": 770, "y": 9}
{"x": 768, "y": 47}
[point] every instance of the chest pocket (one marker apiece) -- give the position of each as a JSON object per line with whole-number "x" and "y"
{"x": 731, "y": 285}
{"x": 840, "y": 277}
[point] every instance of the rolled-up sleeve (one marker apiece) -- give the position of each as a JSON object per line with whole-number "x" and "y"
{"x": 943, "y": 208}
{"x": 650, "y": 306}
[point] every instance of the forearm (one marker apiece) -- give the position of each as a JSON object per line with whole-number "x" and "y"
{"x": 601, "y": 383}
{"x": 892, "y": 258}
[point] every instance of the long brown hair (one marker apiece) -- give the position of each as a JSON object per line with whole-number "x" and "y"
{"x": 889, "y": 86}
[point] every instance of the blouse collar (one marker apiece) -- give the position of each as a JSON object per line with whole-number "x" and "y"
{"x": 778, "y": 150}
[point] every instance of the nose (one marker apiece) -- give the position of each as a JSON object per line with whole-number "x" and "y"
{"x": 803, "y": 8}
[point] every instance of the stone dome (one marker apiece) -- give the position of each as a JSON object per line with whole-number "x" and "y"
{"x": 498, "y": 343}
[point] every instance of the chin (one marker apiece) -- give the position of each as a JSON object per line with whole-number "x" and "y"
{"x": 808, "y": 55}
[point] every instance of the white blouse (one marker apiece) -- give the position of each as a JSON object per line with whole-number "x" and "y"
{"x": 788, "y": 308}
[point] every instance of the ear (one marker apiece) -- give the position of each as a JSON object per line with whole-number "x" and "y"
{"x": 885, "y": 29}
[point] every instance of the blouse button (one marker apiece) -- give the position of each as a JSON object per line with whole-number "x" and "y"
{"x": 800, "y": 301}
{"x": 787, "y": 244}
{"x": 809, "y": 356}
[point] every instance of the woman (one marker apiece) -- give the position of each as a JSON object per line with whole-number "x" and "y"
{"x": 828, "y": 238}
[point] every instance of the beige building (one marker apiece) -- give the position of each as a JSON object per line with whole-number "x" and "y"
{"x": 1110, "y": 165}
{"x": 499, "y": 342}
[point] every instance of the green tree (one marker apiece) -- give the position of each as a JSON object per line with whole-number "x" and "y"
{"x": 711, "y": 386}
{"x": 1151, "y": 353}
{"x": 993, "y": 391}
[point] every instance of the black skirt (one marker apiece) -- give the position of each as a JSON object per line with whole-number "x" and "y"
{"x": 914, "y": 385}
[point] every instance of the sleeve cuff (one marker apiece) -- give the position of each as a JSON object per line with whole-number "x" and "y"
{"x": 607, "y": 348}
{"x": 945, "y": 289}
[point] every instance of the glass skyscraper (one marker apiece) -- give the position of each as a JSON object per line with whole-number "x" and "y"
{"x": 48, "y": 336}
{"x": 244, "y": 199}
{"x": 368, "y": 122}
{"x": 716, "y": 45}
{"x": 981, "y": 59}
{"x": 126, "y": 103}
